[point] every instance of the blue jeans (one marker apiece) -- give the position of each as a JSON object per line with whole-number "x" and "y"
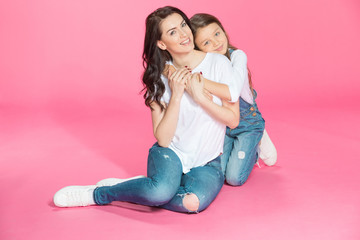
{"x": 166, "y": 185}
{"x": 241, "y": 144}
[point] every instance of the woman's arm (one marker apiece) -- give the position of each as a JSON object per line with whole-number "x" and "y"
{"x": 228, "y": 113}
{"x": 165, "y": 122}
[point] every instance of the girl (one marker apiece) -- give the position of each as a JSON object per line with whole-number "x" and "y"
{"x": 184, "y": 170}
{"x": 241, "y": 144}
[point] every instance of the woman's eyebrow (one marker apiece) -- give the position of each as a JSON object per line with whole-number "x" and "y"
{"x": 170, "y": 29}
{"x": 175, "y": 27}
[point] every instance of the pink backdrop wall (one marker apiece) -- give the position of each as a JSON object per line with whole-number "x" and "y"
{"x": 87, "y": 54}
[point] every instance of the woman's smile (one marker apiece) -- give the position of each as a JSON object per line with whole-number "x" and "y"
{"x": 186, "y": 42}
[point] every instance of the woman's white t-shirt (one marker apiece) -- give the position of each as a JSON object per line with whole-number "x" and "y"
{"x": 198, "y": 137}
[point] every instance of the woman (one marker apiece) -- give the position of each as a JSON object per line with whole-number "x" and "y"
{"x": 184, "y": 172}
{"x": 242, "y": 143}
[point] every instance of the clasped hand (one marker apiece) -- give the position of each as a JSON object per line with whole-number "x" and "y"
{"x": 182, "y": 79}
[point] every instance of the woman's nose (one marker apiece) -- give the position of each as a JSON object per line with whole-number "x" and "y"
{"x": 182, "y": 33}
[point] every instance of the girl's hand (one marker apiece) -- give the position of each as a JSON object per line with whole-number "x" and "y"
{"x": 195, "y": 87}
{"x": 177, "y": 81}
{"x": 168, "y": 69}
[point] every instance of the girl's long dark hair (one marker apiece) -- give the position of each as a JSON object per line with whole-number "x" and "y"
{"x": 201, "y": 20}
{"x": 154, "y": 58}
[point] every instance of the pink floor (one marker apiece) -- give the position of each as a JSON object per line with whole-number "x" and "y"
{"x": 311, "y": 193}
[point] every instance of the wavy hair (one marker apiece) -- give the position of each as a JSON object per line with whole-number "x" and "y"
{"x": 154, "y": 58}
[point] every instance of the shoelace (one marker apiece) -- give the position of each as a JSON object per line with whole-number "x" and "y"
{"x": 257, "y": 163}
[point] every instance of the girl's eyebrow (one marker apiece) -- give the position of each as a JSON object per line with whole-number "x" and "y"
{"x": 175, "y": 27}
{"x": 217, "y": 29}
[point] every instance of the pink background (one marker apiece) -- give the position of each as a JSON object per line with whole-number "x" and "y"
{"x": 71, "y": 113}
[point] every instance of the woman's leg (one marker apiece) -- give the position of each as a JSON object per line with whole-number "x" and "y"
{"x": 243, "y": 157}
{"x": 162, "y": 183}
{"x": 198, "y": 189}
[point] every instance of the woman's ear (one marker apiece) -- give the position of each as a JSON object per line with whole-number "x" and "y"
{"x": 161, "y": 45}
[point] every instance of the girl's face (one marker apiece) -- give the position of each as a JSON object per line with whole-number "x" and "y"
{"x": 211, "y": 39}
{"x": 176, "y": 35}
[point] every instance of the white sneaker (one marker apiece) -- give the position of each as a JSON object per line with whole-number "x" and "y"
{"x": 75, "y": 196}
{"x": 267, "y": 150}
{"x": 114, "y": 181}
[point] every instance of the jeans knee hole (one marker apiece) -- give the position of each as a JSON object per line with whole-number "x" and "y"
{"x": 191, "y": 202}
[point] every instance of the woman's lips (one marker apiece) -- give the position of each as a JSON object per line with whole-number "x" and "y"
{"x": 186, "y": 42}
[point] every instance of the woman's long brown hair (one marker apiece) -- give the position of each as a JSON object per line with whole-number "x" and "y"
{"x": 154, "y": 58}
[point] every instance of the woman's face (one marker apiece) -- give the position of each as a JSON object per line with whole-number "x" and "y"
{"x": 176, "y": 35}
{"x": 211, "y": 39}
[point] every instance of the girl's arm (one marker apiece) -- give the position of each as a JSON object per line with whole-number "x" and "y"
{"x": 228, "y": 113}
{"x": 165, "y": 122}
{"x": 218, "y": 89}
{"x": 239, "y": 70}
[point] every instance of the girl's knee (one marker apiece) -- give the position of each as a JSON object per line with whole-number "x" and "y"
{"x": 236, "y": 180}
{"x": 191, "y": 202}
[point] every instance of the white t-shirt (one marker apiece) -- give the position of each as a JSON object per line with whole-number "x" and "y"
{"x": 239, "y": 63}
{"x": 198, "y": 137}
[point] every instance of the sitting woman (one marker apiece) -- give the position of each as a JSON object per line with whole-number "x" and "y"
{"x": 184, "y": 170}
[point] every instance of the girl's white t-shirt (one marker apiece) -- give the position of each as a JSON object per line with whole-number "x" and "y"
{"x": 198, "y": 137}
{"x": 242, "y": 87}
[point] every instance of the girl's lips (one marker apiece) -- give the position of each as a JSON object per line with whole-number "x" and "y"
{"x": 219, "y": 48}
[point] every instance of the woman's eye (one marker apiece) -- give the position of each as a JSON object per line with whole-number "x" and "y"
{"x": 172, "y": 33}
{"x": 217, "y": 34}
{"x": 184, "y": 24}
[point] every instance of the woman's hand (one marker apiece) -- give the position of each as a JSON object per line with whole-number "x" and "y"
{"x": 177, "y": 81}
{"x": 195, "y": 87}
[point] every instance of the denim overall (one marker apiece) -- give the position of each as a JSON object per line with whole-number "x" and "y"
{"x": 241, "y": 144}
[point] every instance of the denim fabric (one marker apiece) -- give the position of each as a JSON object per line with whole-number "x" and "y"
{"x": 166, "y": 185}
{"x": 241, "y": 144}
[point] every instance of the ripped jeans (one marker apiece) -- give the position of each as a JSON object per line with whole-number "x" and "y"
{"x": 241, "y": 144}
{"x": 166, "y": 185}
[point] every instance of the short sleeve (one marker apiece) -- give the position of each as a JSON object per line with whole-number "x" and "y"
{"x": 167, "y": 93}
{"x": 229, "y": 76}
{"x": 239, "y": 64}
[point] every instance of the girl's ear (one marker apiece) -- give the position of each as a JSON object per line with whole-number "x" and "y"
{"x": 161, "y": 45}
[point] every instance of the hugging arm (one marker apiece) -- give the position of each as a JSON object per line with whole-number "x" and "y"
{"x": 228, "y": 113}
{"x": 218, "y": 89}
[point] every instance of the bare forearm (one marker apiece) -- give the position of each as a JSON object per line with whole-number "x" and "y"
{"x": 227, "y": 115}
{"x": 218, "y": 89}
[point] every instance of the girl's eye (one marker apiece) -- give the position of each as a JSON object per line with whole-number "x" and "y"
{"x": 217, "y": 33}
{"x": 206, "y": 43}
{"x": 184, "y": 24}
